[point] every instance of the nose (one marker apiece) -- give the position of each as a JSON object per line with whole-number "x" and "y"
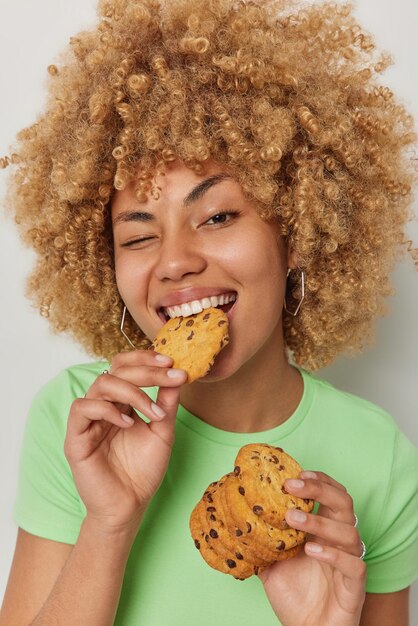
{"x": 179, "y": 256}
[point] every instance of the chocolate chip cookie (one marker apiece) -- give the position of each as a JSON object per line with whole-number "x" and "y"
{"x": 193, "y": 342}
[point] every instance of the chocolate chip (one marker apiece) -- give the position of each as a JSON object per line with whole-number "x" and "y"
{"x": 274, "y": 457}
{"x": 255, "y": 569}
{"x": 207, "y": 538}
{"x": 255, "y": 457}
{"x": 280, "y": 468}
{"x": 241, "y": 490}
{"x": 163, "y": 342}
{"x": 213, "y": 533}
{"x": 206, "y": 317}
{"x": 238, "y": 532}
{"x": 258, "y": 509}
{"x": 212, "y": 517}
{"x": 197, "y": 544}
{"x": 284, "y": 490}
{"x": 279, "y": 449}
{"x": 239, "y": 555}
{"x": 190, "y": 323}
{"x": 306, "y": 501}
{"x": 190, "y": 336}
{"x": 237, "y": 470}
{"x": 261, "y": 477}
{"x": 249, "y": 527}
{"x": 255, "y": 451}
{"x": 269, "y": 480}
{"x": 211, "y": 509}
{"x": 281, "y": 545}
{"x": 231, "y": 563}
{"x": 221, "y": 322}
{"x": 209, "y": 498}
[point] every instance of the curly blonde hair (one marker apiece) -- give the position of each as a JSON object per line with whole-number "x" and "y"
{"x": 284, "y": 94}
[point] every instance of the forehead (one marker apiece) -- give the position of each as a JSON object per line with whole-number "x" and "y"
{"x": 175, "y": 182}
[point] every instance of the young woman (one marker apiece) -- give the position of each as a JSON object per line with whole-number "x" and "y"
{"x": 233, "y": 154}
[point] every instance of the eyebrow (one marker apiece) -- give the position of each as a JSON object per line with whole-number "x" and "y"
{"x": 203, "y": 187}
{"x": 195, "y": 194}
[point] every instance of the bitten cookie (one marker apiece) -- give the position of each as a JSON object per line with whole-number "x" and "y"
{"x": 238, "y": 526}
{"x": 194, "y": 341}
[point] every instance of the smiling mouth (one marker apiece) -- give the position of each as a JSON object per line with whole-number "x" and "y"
{"x": 224, "y": 301}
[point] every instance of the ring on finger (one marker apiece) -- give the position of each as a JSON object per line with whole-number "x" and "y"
{"x": 355, "y": 521}
{"x": 363, "y": 551}
{"x": 104, "y": 372}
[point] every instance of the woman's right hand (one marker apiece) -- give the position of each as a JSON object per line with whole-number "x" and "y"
{"x": 118, "y": 466}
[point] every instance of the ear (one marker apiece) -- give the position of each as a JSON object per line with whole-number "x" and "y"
{"x": 292, "y": 259}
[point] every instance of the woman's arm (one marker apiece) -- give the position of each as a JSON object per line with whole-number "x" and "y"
{"x": 93, "y": 575}
{"x": 37, "y": 563}
{"x": 118, "y": 462}
{"x": 386, "y": 609}
{"x": 91, "y": 572}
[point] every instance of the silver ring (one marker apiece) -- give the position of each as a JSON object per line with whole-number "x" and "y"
{"x": 105, "y": 372}
{"x": 363, "y": 552}
{"x": 356, "y": 521}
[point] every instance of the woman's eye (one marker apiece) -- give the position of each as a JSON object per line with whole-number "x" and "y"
{"x": 222, "y": 218}
{"x": 139, "y": 241}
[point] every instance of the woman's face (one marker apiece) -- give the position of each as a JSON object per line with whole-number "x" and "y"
{"x": 201, "y": 239}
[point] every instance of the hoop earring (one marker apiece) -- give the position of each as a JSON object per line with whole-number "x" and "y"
{"x": 122, "y": 331}
{"x": 303, "y": 293}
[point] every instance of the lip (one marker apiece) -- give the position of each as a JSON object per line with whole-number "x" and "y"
{"x": 188, "y": 295}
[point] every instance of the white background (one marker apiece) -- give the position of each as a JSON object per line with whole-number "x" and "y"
{"x": 31, "y": 35}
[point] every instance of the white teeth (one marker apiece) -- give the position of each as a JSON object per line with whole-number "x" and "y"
{"x": 196, "y": 306}
{"x": 186, "y": 309}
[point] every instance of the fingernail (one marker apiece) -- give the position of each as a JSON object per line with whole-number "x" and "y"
{"x": 308, "y": 475}
{"x": 173, "y": 373}
{"x": 314, "y": 547}
{"x": 157, "y": 410}
{"x": 294, "y": 483}
{"x": 127, "y": 419}
{"x": 163, "y": 358}
{"x": 297, "y": 516}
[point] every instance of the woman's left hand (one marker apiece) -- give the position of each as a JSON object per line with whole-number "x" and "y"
{"x": 325, "y": 583}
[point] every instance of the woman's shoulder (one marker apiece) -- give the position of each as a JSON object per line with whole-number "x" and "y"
{"x": 75, "y": 378}
{"x": 350, "y": 414}
{"x": 62, "y": 389}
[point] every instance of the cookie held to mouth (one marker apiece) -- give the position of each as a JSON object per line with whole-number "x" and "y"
{"x": 193, "y": 342}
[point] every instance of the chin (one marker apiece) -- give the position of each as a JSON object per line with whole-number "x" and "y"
{"x": 221, "y": 370}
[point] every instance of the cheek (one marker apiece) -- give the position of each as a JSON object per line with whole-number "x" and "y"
{"x": 131, "y": 280}
{"x": 261, "y": 262}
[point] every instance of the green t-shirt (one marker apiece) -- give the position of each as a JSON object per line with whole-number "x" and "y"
{"x": 167, "y": 582}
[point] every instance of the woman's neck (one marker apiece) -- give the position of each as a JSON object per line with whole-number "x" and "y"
{"x": 262, "y": 394}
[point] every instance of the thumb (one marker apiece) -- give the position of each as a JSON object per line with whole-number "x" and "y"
{"x": 168, "y": 399}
